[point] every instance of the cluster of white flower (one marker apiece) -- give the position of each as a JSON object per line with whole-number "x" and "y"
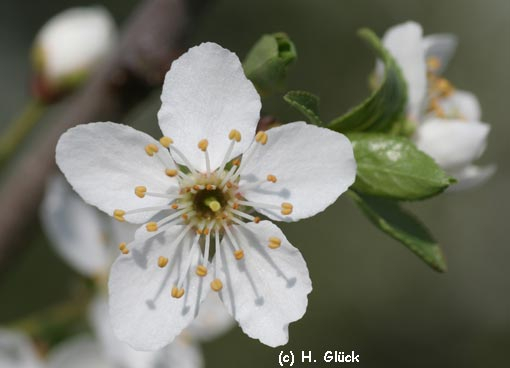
{"x": 448, "y": 126}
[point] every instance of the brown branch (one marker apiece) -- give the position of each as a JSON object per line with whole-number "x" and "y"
{"x": 154, "y": 36}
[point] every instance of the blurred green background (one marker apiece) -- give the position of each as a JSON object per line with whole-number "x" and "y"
{"x": 370, "y": 293}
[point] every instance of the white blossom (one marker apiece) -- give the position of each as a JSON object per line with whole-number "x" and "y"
{"x": 196, "y": 190}
{"x": 447, "y": 120}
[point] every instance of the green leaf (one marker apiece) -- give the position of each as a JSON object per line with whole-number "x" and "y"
{"x": 386, "y": 106}
{"x": 389, "y": 217}
{"x": 267, "y": 62}
{"x": 307, "y": 103}
{"x": 392, "y": 167}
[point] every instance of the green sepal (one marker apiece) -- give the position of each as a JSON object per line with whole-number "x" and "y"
{"x": 386, "y": 106}
{"x": 267, "y": 62}
{"x": 392, "y": 167}
{"x": 403, "y": 226}
{"x": 307, "y": 103}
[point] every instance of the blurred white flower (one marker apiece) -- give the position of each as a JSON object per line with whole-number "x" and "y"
{"x": 81, "y": 235}
{"x": 211, "y": 236}
{"x": 448, "y": 120}
{"x": 17, "y": 351}
{"x": 69, "y": 45}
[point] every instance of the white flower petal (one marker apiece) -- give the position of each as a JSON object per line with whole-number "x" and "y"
{"x": 268, "y": 288}
{"x": 78, "y": 352}
{"x": 205, "y": 96}
{"x": 181, "y": 353}
{"x": 74, "y": 228}
{"x": 404, "y": 42}
{"x": 104, "y": 162}
{"x": 143, "y": 313}
{"x": 17, "y": 351}
{"x": 117, "y": 351}
{"x": 75, "y": 40}
{"x": 441, "y": 46}
{"x": 213, "y": 320}
{"x": 454, "y": 144}
{"x": 472, "y": 176}
{"x": 313, "y": 166}
{"x": 462, "y": 105}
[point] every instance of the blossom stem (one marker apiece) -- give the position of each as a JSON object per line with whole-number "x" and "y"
{"x": 19, "y": 129}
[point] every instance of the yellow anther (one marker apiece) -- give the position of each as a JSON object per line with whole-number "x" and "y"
{"x": 433, "y": 63}
{"x": 119, "y": 215}
{"x": 171, "y": 172}
{"x": 271, "y": 178}
{"x": 234, "y": 135}
{"x": 140, "y": 191}
{"x": 124, "y": 251}
{"x": 201, "y": 271}
{"x": 239, "y": 254}
{"x": 198, "y": 231}
{"x": 166, "y": 141}
{"x": 210, "y": 187}
{"x": 444, "y": 87}
{"x": 229, "y": 184}
{"x": 235, "y": 206}
{"x": 216, "y": 285}
{"x": 261, "y": 137}
{"x": 206, "y": 231}
{"x": 203, "y": 145}
{"x": 174, "y": 206}
{"x": 184, "y": 217}
{"x": 122, "y": 246}
{"x": 274, "y": 242}
{"x": 256, "y": 219}
{"x": 162, "y": 261}
{"x": 236, "y": 162}
{"x": 196, "y": 187}
{"x": 286, "y": 208}
{"x": 151, "y": 149}
{"x": 151, "y": 226}
{"x": 177, "y": 293}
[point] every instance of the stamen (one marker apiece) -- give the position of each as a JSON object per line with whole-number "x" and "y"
{"x": 433, "y": 64}
{"x": 246, "y": 216}
{"x": 261, "y": 137}
{"x": 187, "y": 262}
{"x": 171, "y": 172}
{"x": 259, "y": 205}
{"x": 177, "y": 292}
{"x": 234, "y": 135}
{"x": 184, "y": 158}
{"x": 123, "y": 249}
{"x": 286, "y": 208}
{"x": 151, "y": 149}
{"x": 239, "y": 254}
{"x": 152, "y": 226}
{"x": 166, "y": 141}
{"x": 201, "y": 270}
{"x": 140, "y": 191}
{"x": 144, "y": 209}
{"x": 162, "y": 261}
{"x": 203, "y": 144}
{"x": 119, "y": 215}
{"x": 271, "y": 178}
{"x": 216, "y": 285}
{"x": 274, "y": 242}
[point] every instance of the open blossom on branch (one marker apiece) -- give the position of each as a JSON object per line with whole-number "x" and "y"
{"x": 448, "y": 120}
{"x": 196, "y": 190}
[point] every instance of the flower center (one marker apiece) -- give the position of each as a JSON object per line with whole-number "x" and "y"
{"x": 211, "y": 205}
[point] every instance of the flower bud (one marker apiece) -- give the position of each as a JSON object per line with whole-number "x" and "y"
{"x": 67, "y": 47}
